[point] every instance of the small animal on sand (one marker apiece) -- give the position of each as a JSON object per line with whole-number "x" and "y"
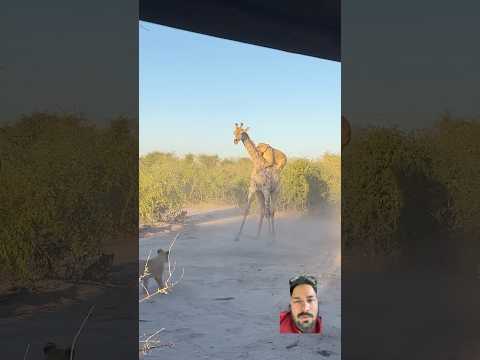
{"x": 155, "y": 269}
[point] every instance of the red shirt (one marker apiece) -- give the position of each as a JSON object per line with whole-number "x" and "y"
{"x": 287, "y": 325}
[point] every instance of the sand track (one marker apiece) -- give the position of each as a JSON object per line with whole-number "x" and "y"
{"x": 227, "y": 305}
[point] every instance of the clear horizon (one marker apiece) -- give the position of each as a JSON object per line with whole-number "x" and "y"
{"x": 193, "y": 88}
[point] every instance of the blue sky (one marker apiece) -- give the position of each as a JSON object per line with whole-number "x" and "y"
{"x": 193, "y": 88}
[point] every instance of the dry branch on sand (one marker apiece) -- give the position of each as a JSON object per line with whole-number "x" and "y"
{"x": 79, "y": 330}
{"x": 52, "y": 352}
{"x": 169, "y": 283}
{"x": 152, "y": 342}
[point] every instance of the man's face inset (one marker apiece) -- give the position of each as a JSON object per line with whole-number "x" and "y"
{"x": 304, "y": 305}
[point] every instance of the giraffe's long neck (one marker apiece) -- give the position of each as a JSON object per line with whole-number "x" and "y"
{"x": 258, "y": 160}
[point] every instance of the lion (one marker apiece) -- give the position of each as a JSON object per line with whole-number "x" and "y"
{"x": 273, "y": 157}
{"x": 155, "y": 268}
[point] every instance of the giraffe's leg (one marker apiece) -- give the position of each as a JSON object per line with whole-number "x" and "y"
{"x": 247, "y": 209}
{"x": 273, "y": 205}
{"x": 261, "y": 202}
{"x": 272, "y": 220}
{"x": 268, "y": 210}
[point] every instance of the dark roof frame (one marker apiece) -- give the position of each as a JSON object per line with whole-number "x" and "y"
{"x": 299, "y": 26}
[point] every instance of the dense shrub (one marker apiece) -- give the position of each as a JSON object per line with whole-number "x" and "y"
{"x": 168, "y": 183}
{"x": 371, "y": 197}
{"x": 454, "y": 149}
{"x": 330, "y": 170}
{"x": 302, "y": 186}
{"x": 411, "y": 190}
{"x": 65, "y": 187}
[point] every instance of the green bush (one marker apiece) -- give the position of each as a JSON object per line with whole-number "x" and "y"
{"x": 168, "y": 183}
{"x": 411, "y": 190}
{"x": 66, "y": 186}
{"x": 330, "y": 170}
{"x": 302, "y": 186}
{"x": 371, "y": 196}
{"x": 454, "y": 149}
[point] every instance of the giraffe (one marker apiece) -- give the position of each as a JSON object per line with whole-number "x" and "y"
{"x": 264, "y": 182}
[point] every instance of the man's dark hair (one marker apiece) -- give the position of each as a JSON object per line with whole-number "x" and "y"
{"x": 303, "y": 279}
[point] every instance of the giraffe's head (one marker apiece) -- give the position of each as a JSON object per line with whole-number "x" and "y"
{"x": 239, "y": 133}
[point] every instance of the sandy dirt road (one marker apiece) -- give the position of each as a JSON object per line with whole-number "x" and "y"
{"x": 227, "y": 304}
{"x": 55, "y": 315}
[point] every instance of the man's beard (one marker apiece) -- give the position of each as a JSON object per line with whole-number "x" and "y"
{"x": 304, "y": 326}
